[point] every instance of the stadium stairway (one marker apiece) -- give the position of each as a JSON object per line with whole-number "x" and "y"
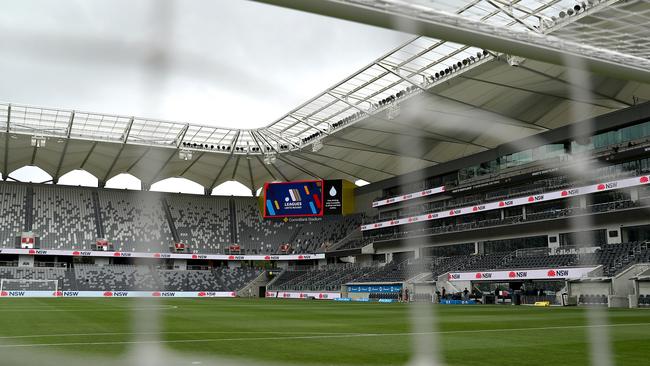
{"x": 29, "y": 206}
{"x": 170, "y": 220}
{"x": 99, "y": 225}
{"x": 622, "y": 284}
{"x": 252, "y": 288}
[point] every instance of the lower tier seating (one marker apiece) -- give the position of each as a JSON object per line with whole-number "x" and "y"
{"x": 124, "y": 277}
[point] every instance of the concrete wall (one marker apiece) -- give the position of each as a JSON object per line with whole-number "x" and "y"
{"x": 622, "y": 284}
{"x": 180, "y": 264}
{"x": 102, "y": 261}
{"x": 25, "y": 261}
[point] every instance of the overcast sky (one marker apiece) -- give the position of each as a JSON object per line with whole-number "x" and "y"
{"x": 231, "y": 63}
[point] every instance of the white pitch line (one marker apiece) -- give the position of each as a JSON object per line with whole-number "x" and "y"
{"x": 162, "y": 333}
{"x": 93, "y": 310}
{"x": 353, "y": 335}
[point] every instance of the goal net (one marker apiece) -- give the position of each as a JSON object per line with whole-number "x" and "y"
{"x": 10, "y": 284}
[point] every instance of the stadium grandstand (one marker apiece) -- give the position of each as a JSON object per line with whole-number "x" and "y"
{"x": 498, "y": 156}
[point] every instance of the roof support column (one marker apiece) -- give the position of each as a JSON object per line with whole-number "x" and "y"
{"x": 5, "y": 173}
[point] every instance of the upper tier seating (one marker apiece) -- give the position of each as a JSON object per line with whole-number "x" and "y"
{"x": 64, "y": 217}
{"x": 257, "y": 235}
{"x": 317, "y": 236}
{"x": 12, "y": 212}
{"x": 541, "y": 261}
{"x": 202, "y": 223}
{"x": 135, "y": 221}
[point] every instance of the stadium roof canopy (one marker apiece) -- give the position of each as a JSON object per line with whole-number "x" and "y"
{"x": 428, "y": 101}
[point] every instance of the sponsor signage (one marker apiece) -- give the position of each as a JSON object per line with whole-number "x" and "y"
{"x": 344, "y": 299}
{"x": 387, "y": 300}
{"x": 457, "y": 302}
{"x": 116, "y": 294}
{"x": 333, "y": 192}
{"x": 223, "y": 257}
{"x": 375, "y": 288}
{"x": 520, "y": 201}
{"x": 528, "y": 274}
{"x": 409, "y": 196}
{"x": 303, "y": 295}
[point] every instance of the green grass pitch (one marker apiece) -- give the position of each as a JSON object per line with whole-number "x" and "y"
{"x": 301, "y": 332}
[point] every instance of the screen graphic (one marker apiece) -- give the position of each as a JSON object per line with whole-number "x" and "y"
{"x": 293, "y": 199}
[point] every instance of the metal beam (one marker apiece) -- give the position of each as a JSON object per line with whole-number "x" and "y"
{"x": 232, "y": 151}
{"x": 234, "y": 170}
{"x": 441, "y": 25}
{"x": 265, "y": 167}
{"x": 573, "y": 85}
{"x": 5, "y": 173}
{"x": 259, "y": 146}
{"x": 181, "y": 135}
{"x": 351, "y": 163}
{"x": 34, "y": 155}
{"x": 508, "y": 121}
{"x": 250, "y": 174}
{"x": 350, "y": 77}
{"x": 233, "y": 143}
{"x": 512, "y": 16}
{"x": 299, "y": 156}
{"x": 273, "y": 164}
{"x": 380, "y": 64}
{"x": 433, "y": 138}
{"x": 125, "y": 138}
{"x": 281, "y": 138}
{"x": 591, "y": 102}
{"x": 65, "y": 148}
{"x": 92, "y": 148}
{"x": 284, "y": 176}
{"x": 162, "y": 167}
{"x": 380, "y": 150}
{"x": 219, "y": 174}
{"x": 192, "y": 164}
{"x": 441, "y": 138}
{"x": 127, "y": 130}
{"x": 304, "y": 121}
{"x": 524, "y": 124}
{"x": 291, "y": 163}
{"x": 137, "y": 161}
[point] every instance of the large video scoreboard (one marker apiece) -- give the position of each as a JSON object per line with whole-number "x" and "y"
{"x": 312, "y": 198}
{"x": 304, "y": 198}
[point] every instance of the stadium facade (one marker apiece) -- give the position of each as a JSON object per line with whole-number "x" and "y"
{"x": 500, "y": 216}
